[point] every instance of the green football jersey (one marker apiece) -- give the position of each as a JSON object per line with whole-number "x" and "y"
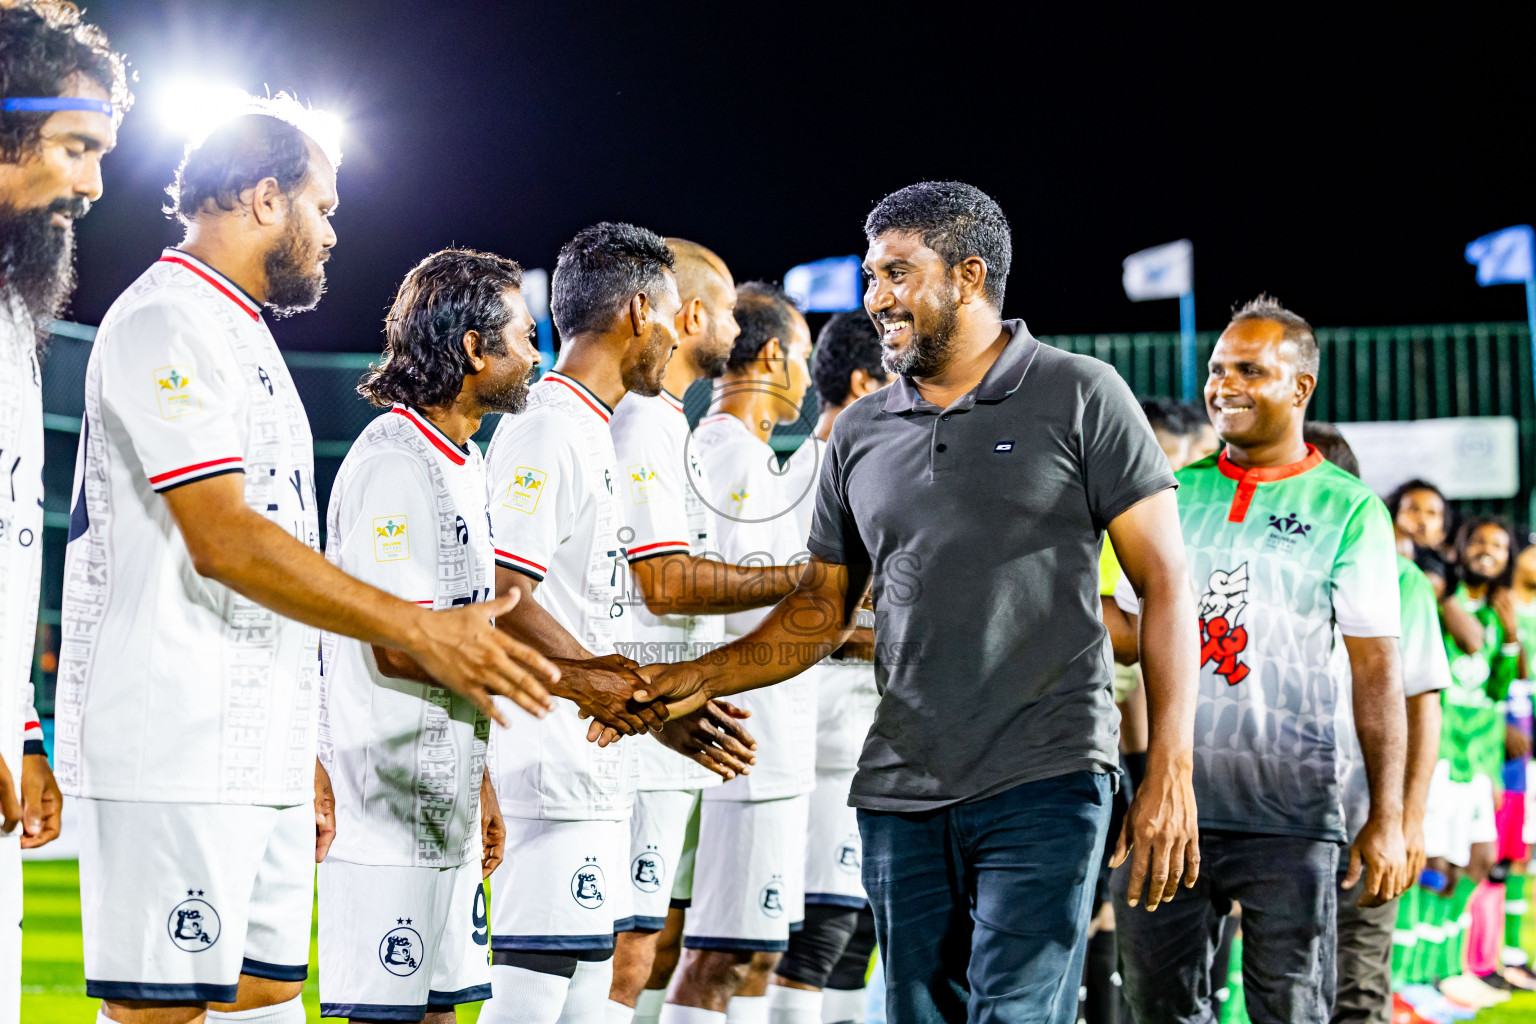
{"x": 1285, "y": 559}
{"x": 1472, "y": 715}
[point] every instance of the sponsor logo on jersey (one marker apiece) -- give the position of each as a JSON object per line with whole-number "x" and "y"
{"x": 193, "y": 924}
{"x": 400, "y": 949}
{"x": 738, "y": 499}
{"x": 771, "y": 900}
{"x": 391, "y": 541}
{"x": 1285, "y": 531}
{"x": 173, "y": 390}
{"x": 640, "y": 478}
{"x": 850, "y": 856}
{"x": 1222, "y": 635}
{"x": 587, "y": 885}
{"x": 647, "y": 870}
{"x": 524, "y": 489}
{"x": 1003, "y": 447}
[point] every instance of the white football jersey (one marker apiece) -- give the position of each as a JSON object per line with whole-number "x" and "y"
{"x": 173, "y": 687}
{"x": 407, "y": 515}
{"x": 757, "y": 527}
{"x": 661, "y": 491}
{"x": 21, "y": 530}
{"x": 848, "y": 695}
{"x": 554, "y": 517}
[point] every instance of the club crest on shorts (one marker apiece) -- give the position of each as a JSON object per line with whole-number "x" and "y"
{"x": 400, "y": 949}
{"x": 771, "y": 900}
{"x": 647, "y": 870}
{"x": 193, "y": 924}
{"x": 587, "y": 885}
{"x": 849, "y": 856}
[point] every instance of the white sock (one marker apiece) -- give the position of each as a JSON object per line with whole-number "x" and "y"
{"x": 617, "y": 1013}
{"x": 648, "y": 1006}
{"x": 676, "y": 1013}
{"x": 290, "y": 1011}
{"x": 521, "y": 996}
{"x": 747, "y": 1010}
{"x": 587, "y": 998}
{"x": 793, "y": 1005}
{"x": 840, "y": 1005}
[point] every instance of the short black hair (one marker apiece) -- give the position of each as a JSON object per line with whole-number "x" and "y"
{"x": 265, "y": 142}
{"x": 446, "y": 295}
{"x": 1327, "y": 439}
{"x": 43, "y": 43}
{"x": 1402, "y": 490}
{"x": 1166, "y": 415}
{"x": 600, "y": 270}
{"x": 955, "y": 220}
{"x": 763, "y": 312}
{"x": 1294, "y": 328}
{"x": 847, "y": 342}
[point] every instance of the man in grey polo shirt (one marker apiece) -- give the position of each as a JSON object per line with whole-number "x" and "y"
{"x": 975, "y": 492}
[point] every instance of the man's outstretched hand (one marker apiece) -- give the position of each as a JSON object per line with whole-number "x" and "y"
{"x": 462, "y": 650}
{"x": 680, "y": 686}
{"x": 714, "y": 737}
{"x": 1161, "y": 835}
{"x": 604, "y": 689}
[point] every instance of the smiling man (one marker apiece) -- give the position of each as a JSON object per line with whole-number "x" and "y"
{"x": 1294, "y": 562}
{"x": 975, "y": 491}
{"x": 64, "y": 92}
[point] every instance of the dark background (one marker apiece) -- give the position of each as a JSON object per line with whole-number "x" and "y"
{"x": 1339, "y": 161}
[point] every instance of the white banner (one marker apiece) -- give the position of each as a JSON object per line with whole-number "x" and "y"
{"x": 1466, "y": 457}
{"x": 1161, "y": 272}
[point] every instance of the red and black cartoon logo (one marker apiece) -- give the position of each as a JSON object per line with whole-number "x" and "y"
{"x": 1222, "y": 636}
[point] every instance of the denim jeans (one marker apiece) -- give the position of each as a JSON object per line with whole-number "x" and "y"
{"x": 982, "y": 908}
{"x": 1287, "y": 887}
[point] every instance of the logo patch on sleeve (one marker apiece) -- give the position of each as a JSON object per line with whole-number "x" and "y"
{"x": 524, "y": 489}
{"x": 173, "y": 390}
{"x": 640, "y": 479}
{"x": 1003, "y": 446}
{"x": 391, "y": 542}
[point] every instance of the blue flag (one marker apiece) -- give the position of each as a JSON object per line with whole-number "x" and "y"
{"x": 832, "y": 285}
{"x": 1505, "y": 257}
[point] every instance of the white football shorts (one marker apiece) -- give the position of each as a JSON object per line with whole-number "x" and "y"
{"x": 657, "y": 829}
{"x": 178, "y": 899}
{"x": 1457, "y": 815}
{"x": 749, "y": 879}
{"x": 555, "y": 889}
{"x": 399, "y": 942}
{"x": 834, "y": 854}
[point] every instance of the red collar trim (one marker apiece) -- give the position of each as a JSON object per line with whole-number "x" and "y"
{"x": 673, "y": 402}
{"x": 229, "y": 290}
{"x": 439, "y": 440}
{"x": 582, "y": 392}
{"x": 1248, "y": 480}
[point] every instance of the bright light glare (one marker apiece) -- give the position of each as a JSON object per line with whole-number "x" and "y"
{"x": 191, "y": 110}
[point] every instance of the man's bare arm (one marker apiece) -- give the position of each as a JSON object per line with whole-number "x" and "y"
{"x": 1381, "y": 722}
{"x": 1423, "y": 752}
{"x": 1461, "y": 624}
{"x": 459, "y": 648}
{"x": 687, "y": 585}
{"x": 816, "y": 618}
{"x": 602, "y": 687}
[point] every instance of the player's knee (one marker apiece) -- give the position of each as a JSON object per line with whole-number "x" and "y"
{"x": 561, "y": 965}
{"x": 633, "y": 954}
{"x": 718, "y": 971}
{"x": 761, "y": 966}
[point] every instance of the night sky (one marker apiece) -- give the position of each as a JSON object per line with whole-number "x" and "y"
{"x": 1341, "y": 164}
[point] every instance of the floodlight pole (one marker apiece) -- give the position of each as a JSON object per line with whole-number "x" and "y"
{"x": 1187, "y": 339}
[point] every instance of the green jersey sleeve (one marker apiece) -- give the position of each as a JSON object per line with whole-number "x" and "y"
{"x": 1365, "y": 579}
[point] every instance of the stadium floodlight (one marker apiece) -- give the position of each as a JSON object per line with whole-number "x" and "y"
{"x": 191, "y": 110}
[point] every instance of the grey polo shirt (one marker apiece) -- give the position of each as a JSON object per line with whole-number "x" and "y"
{"x": 982, "y": 523}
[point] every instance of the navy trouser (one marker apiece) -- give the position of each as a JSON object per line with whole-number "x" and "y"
{"x": 982, "y": 908}
{"x": 1287, "y": 887}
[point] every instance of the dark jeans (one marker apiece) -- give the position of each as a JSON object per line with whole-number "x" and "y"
{"x": 1365, "y": 959}
{"x": 982, "y": 908}
{"x": 1286, "y": 887}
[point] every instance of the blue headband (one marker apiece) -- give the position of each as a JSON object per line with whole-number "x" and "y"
{"x": 53, "y": 103}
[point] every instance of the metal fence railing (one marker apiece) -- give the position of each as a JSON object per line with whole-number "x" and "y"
{"x": 1376, "y": 373}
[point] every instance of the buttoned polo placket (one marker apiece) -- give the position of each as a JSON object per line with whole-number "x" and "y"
{"x": 1001, "y": 380}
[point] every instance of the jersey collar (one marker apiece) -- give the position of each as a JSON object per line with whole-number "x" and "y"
{"x": 583, "y": 392}
{"x": 221, "y": 284}
{"x": 676, "y": 403}
{"x": 1248, "y": 480}
{"x": 439, "y": 440}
